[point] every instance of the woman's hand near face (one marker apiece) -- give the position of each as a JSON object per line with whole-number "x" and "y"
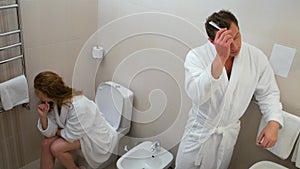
{"x": 43, "y": 109}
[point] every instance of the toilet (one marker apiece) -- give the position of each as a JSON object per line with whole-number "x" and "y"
{"x": 115, "y": 103}
{"x": 267, "y": 165}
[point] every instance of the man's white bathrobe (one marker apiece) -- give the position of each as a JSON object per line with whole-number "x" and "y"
{"x": 83, "y": 121}
{"x": 218, "y": 104}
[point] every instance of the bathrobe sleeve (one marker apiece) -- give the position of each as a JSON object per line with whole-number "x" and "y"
{"x": 199, "y": 82}
{"x": 80, "y": 121}
{"x": 51, "y": 129}
{"x": 267, "y": 92}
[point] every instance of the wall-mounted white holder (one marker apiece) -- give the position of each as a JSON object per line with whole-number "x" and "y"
{"x": 98, "y": 52}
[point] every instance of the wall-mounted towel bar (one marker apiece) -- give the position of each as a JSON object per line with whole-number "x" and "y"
{"x": 15, "y": 46}
{"x": 10, "y": 33}
{"x": 9, "y": 6}
{"x": 11, "y": 59}
{"x": 25, "y": 105}
{"x": 10, "y": 46}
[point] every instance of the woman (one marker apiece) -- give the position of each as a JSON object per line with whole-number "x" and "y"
{"x": 70, "y": 121}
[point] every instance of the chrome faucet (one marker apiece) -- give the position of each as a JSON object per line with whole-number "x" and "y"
{"x": 156, "y": 147}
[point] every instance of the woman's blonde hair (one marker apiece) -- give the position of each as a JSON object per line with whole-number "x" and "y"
{"x": 53, "y": 86}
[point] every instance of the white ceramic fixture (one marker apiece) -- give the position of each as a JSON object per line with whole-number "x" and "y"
{"x": 267, "y": 165}
{"x": 143, "y": 156}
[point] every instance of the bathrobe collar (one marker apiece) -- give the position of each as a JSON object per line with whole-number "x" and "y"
{"x": 62, "y": 116}
{"x": 229, "y": 85}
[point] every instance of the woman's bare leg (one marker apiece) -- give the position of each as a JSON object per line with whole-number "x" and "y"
{"x": 47, "y": 160}
{"x": 61, "y": 150}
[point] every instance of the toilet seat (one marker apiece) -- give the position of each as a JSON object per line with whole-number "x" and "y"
{"x": 267, "y": 165}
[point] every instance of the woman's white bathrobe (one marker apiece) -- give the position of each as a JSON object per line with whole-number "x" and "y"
{"x": 83, "y": 121}
{"x": 218, "y": 104}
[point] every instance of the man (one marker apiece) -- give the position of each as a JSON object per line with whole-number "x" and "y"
{"x": 221, "y": 78}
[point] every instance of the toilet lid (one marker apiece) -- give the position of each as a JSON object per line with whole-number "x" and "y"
{"x": 110, "y": 102}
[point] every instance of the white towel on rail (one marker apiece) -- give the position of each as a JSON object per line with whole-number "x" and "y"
{"x": 14, "y": 92}
{"x": 286, "y": 137}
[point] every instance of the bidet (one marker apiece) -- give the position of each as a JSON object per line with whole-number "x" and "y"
{"x": 142, "y": 156}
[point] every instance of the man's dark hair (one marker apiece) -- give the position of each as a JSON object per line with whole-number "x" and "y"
{"x": 223, "y": 19}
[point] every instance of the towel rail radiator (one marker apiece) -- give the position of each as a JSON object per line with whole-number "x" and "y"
{"x": 19, "y": 44}
{"x": 19, "y": 32}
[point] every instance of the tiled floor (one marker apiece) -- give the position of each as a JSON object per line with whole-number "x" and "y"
{"x": 33, "y": 165}
{"x": 36, "y": 165}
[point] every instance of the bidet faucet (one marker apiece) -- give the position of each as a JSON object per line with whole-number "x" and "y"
{"x": 156, "y": 147}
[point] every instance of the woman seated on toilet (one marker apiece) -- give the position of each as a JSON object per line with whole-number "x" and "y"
{"x": 70, "y": 121}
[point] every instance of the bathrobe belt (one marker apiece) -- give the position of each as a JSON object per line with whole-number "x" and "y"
{"x": 226, "y": 134}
